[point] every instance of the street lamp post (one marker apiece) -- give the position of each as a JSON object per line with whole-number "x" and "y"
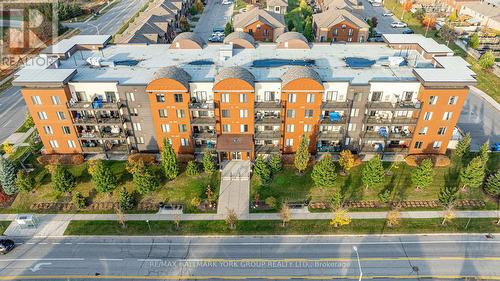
{"x": 359, "y": 263}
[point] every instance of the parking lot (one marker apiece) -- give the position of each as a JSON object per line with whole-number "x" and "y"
{"x": 384, "y": 23}
{"x": 215, "y": 15}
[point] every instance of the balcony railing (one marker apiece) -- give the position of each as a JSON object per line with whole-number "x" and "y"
{"x": 93, "y": 149}
{"x": 204, "y": 105}
{"x": 84, "y": 120}
{"x": 373, "y": 135}
{"x": 267, "y": 135}
{"x": 330, "y": 135}
{"x": 199, "y": 148}
{"x": 110, "y": 135}
{"x": 394, "y": 106}
{"x": 267, "y": 149}
{"x": 396, "y": 149}
{"x": 400, "y": 135}
{"x": 377, "y": 120}
{"x": 110, "y": 120}
{"x": 268, "y": 120}
{"x": 210, "y": 121}
{"x": 404, "y": 121}
{"x": 334, "y": 105}
{"x": 119, "y": 148}
{"x": 205, "y": 135}
{"x": 87, "y": 105}
{"x": 268, "y": 104}
{"x": 329, "y": 148}
{"x": 328, "y": 120}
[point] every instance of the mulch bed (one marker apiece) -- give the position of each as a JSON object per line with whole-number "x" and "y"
{"x": 466, "y": 203}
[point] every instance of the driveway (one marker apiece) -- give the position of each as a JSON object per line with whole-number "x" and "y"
{"x": 480, "y": 116}
{"x": 12, "y": 111}
{"x": 112, "y": 20}
{"x": 384, "y": 23}
{"x": 215, "y": 15}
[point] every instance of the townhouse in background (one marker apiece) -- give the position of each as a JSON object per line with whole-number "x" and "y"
{"x": 277, "y": 6}
{"x": 339, "y": 25}
{"x": 263, "y": 25}
{"x": 244, "y": 99}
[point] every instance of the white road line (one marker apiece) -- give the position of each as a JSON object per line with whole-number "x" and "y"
{"x": 67, "y": 243}
{"x": 56, "y": 243}
{"x": 47, "y": 259}
{"x": 149, "y": 260}
{"x": 110, "y": 259}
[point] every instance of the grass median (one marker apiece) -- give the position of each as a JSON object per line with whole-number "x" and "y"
{"x": 273, "y": 227}
{"x": 3, "y": 226}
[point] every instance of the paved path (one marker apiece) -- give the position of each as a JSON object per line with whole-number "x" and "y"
{"x": 215, "y": 15}
{"x": 407, "y": 257}
{"x": 234, "y": 189}
{"x": 480, "y": 116}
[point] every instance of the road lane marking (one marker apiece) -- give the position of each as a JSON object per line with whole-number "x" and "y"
{"x": 44, "y": 259}
{"x": 104, "y": 259}
{"x": 327, "y": 259}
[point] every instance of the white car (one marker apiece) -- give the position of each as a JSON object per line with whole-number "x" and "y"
{"x": 227, "y": 2}
{"x": 376, "y": 4}
{"x": 398, "y": 24}
{"x": 389, "y": 14}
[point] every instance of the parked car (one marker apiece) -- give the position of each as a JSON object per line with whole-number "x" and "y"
{"x": 398, "y": 24}
{"x": 6, "y": 245}
{"x": 388, "y": 14}
{"x": 408, "y": 31}
{"x": 218, "y": 32}
{"x": 227, "y": 2}
{"x": 376, "y": 39}
{"x": 376, "y": 4}
{"x": 216, "y": 38}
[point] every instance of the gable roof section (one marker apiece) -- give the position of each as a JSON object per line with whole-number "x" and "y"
{"x": 236, "y": 72}
{"x": 332, "y": 17}
{"x": 189, "y": 36}
{"x": 281, "y": 3}
{"x": 273, "y": 19}
{"x": 291, "y": 35}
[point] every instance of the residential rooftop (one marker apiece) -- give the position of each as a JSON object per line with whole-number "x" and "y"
{"x": 135, "y": 64}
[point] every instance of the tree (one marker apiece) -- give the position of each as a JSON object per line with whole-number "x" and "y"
{"x": 231, "y": 219}
{"x": 487, "y": 60}
{"x": 62, "y": 179}
{"x": 473, "y": 175}
{"x": 102, "y": 177}
{"x": 340, "y": 217}
{"x": 302, "y": 155}
{"x": 448, "y": 195}
{"x": 447, "y": 34}
{"x": 303, "y": 5}
{"x": 462, "y": 149}
{"x": 261, "y": 169}
{"x": 423, "y": 175}
{"x": 192, "y": 169}
{"x": 406, "y": 8}
{"x": 428, "y": 22}
{"x": 308, "y": 29}
{"x": 373, "y": 173}
{"x": 8, "y": 148}
{"x": 448, "y": 215}
{"x": 419, "y": 14}
{"x": 271, "y": 202}
{"x": 126, "y": 200}
{"x": 8, "y": 176}
{"x": 290, "y": 25}
{"x": 393, "y": 218}
{"x": 323, "y": 173}
{"x": 285, "y": 214}
{"x": 144, "y": 179}
{"x": 346, "y": 160}
{"x": 374, "y": 22}
{"x": 474, "y": 41}
{"x": 453, "y": 17}
{"x": 169, "y": 160}
{"x": 228, "y": 29}
{"x": 209, "y": 165}
{"x": 24, "y": 181}
{"x": 493, "y": 185}
{"x": 484, "y": 153}
{"x": 79, "y": 200}
{"x": 28, "y": 120}
{"x": 184, "y": 24}
{"x": 275, "y": 164}
{"x": 199, "y": 6}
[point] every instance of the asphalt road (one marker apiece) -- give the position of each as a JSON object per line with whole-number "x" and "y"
{"x": 384, "y": 23}
{"x": 480, "y": 118}
{"x": 215, "y": 15}
{"x": 112, "y": 20}
{"x": 252, "y": 257}
{"x": 12, "y": 111}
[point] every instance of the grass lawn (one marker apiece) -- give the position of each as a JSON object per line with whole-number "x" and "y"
{"x": 290, "y": 187}
{"x": 239, "y": 4}
{"x": 3, "y": 226}
{"x": 376, "y": 226}
{"x": 486, "y": 80}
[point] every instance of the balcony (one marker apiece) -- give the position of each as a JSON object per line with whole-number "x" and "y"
{"x": 92, "y": 149}
{"x": 88, "y": 135}
{"x": 330, "y": 135}
{"x": 267, "y": 149}
{"x": 118, "y": 148}
{"x": 329, "y": 148}
{"x": 396, "y": 149}
{"x": 374, "y": 120}
{"x": 404, "y": 121}
{"x": 393, "y": 106}
{"x": 209, "y": 121}
{"x": 268, "y": 120}
{"x": 373, "y": 136}
{"x": 84, "y": 120}
{"x": 201, "y": 148}
{"x": 205, "y": 135}
{"x": 268, "y": 105}
{"x": 267, "y": 135}
{"x": 400, "y": 136}
{"x": 110, "y": 121}
{"x": 334, "y": 105}
{"x": 114, "y": 135}
{"x": 341, "y": 120}
{"x": 96, "y": 105}
{"x": 202, "y": 105}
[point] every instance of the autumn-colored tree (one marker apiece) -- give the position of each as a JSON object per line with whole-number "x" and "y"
{"x": 428, "y": 22}
{"x": 406, "y": 8}
{"x": 285, "y": 214}
{"x": 340, "y": 217}
{"x": 346, "y": 160}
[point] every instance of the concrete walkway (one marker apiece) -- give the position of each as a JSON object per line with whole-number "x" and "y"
{"x": 234, "y": 189}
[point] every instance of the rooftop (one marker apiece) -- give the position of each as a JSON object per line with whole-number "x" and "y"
{"x": 428, "y": 44}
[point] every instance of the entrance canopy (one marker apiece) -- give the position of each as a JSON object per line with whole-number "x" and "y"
{"x": 234, "y": 142}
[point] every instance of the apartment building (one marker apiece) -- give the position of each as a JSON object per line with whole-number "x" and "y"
{"x": 245, "y": 99}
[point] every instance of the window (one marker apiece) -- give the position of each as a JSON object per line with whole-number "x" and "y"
{"x": 61, "y": 115}
{"x": 376, "y": 96}
{"x": 310, "y": 98}
{"x": 226, "y": 128}
{"x": 437, "y": 144}
{"x": 66, "y": 130}
{"x": 160, "y": 98}
{"x": 243, "y": 98}
{"x": 71, "y": 144}
{"x": 290, "y": 113}
{"x": 335, "y": 31}
{"x": 182, "y": 128}
{"x": 162, "y": 113}
{"x": 134, "y": 112}
{"x": 243, "y": 113}
{"x": 292, "y": 98}
{"x": 184, "y": 142}
{"x": 331, "y": 95}
{"x": 165, "y": 128}
{"x": 55, "y": 100}
{"x": 453, "y": 100}
{"x": 354, "y": 112}
{"x": 290, "y": 128}
{"x": 442, "y": 131}
{"x": 418, "y": 145}
{"x": 447, "y": 115}
{"x": 137, "y": 126}
{"x": 344, "y": 26}
{"x": 428, "y": 116}
{"x": 309, "y": 113}
{"x": 178, "y": 98}
{"x": 350, "y": 32}
{"x": 180, "y": 113}
{"x": 269, "y": 96}
{"x": 407, "y": 96}
{"x": 140, "y": 140}
{"x": 289, "y": 142}
{"x": 307, "y": 128}
{"x": 48, "y": 130}
{"x": 349, "y": 39}
{"x": 351, "y": 127}
{"x": 36, "y": 100}
{"x": 225, "y": 113}
{"x": 53, "y": 144}
{"x": 423, "y": 131}
{"x": 130, "y": 96}
{"x": 243, "y": 128}
{"x": 433, "y": 100}
{"x": 224, "y": 98}
{"x": 42, "y": 115}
